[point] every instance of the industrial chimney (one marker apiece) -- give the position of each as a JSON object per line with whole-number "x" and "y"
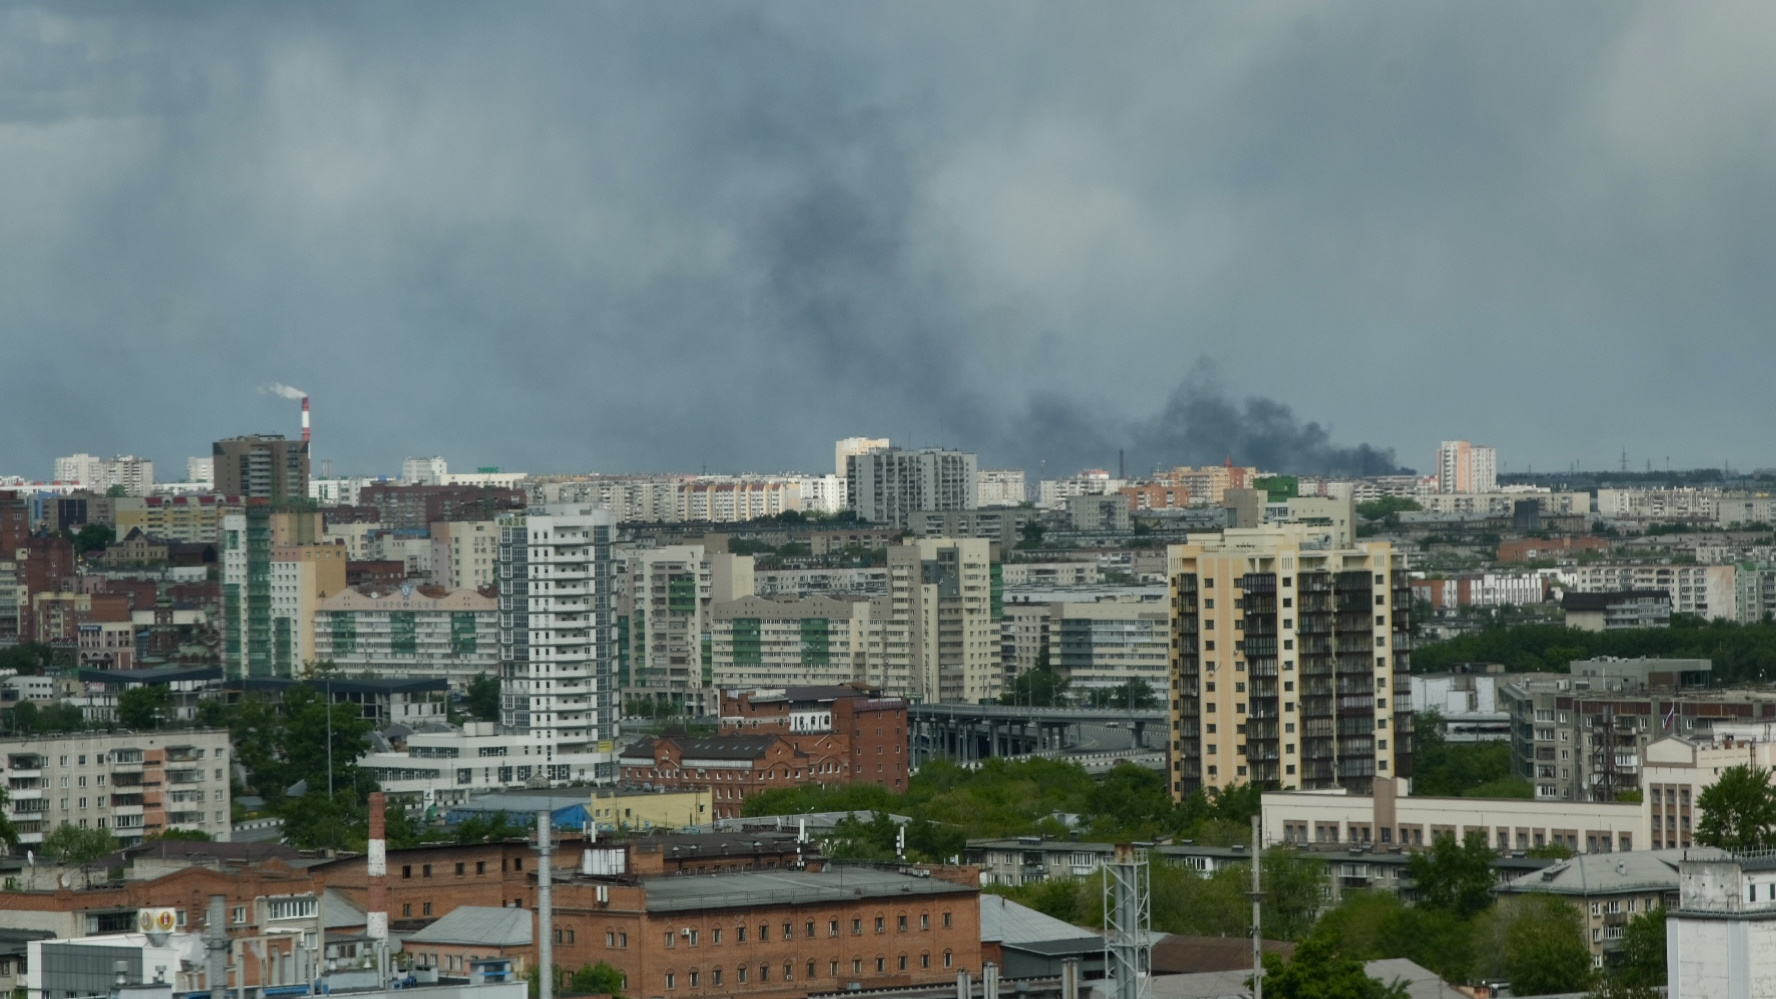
{"x": 376, "y": 917}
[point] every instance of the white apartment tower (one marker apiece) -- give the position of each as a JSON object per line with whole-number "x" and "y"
{"x": 135, "y": 475}
{"x": 1466, "y": 468}
{"x": 556, "y": 656}
{"x": 1001, "y": 487}
{"x": 942, "y": 632}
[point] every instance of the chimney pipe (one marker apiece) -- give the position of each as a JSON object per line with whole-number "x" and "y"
{"x": 376, "y": 917}
{"x": 545, "y": 908}
{"x": 216, "y": 944}
{"x": 305, "y": 419}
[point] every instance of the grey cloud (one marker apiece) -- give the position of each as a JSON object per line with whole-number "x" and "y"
{"x": 568, "y": 236}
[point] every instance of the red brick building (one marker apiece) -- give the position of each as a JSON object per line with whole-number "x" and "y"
{"x": 872, "y": 729}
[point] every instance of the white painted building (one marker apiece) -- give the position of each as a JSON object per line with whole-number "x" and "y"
{"x": 424, "y": 471}
{"x": 201, "y": 471}
{"x": 97, "y": 781}
{"x": 465, "y": 553}
{"x": 343, "y": 491}
{"x": 1708, "y": 591}
{"x": 855, "y": 445}
{"x": 1001, "y": 487}
{"x": 1053, "y": 494}
{"x": 1720, "y": 939}
{"x": 822, "y": 493}
{"x": 134, "y": 475}
{"x": 556, "y": 636}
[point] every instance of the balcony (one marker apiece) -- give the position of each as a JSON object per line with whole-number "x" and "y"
{"x": 184, "y": 777}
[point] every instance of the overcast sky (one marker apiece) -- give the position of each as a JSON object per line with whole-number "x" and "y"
{"x": 609, "y": 237}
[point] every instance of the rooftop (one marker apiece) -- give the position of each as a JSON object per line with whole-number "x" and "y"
{"x": 1603, "y": 874}
{"x": 753, "y": 888}
{"x": 485, "y": 925}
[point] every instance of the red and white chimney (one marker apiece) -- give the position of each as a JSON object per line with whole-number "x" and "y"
{"x": 376, "y": 917}
{"x": 305, "y": 419}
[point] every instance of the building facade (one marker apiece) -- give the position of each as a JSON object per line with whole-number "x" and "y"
{"x": 888, "y": 485}
{"x": 1466, "y": 468}
{"x": 261, "y": 467}
{"x": 408, "y": 633}
{"x": 817, "y": 640}
{"x": 133, "y": 784}
{"x": 942, "y": 634}
{"x": 1290, "y": 661}
{"x": 557, "y": 660}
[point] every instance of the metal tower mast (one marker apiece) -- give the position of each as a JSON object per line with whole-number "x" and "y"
{"x": 1128, "y": 917}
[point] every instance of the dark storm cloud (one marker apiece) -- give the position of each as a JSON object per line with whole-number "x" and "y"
{"x": 559, "y": 237}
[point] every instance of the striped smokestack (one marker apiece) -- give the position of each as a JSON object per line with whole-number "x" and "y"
{"x": 376, "y": 917}
{"x": 305, "y": 419}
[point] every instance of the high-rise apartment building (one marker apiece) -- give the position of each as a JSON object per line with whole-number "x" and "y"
{"x": 266, "y": 467}
{"x": 201, "y": 471}
{"x": 274, "y": 576}
{"x": 424, "y": 471}
{"x": 134, "y": 475}
{"x": 797, "y": 641}
{"x": 843, "y": 450}
{"x": 941, "y": 638}
{"x": 887, "y": 486}
{"x": 671, "y": 590}
{"x": 410, "y": 634}
{"x": 1289, "y": 661}
{"x": 1466, "y": 468}
{"x": 133, "y": 784}
{"x": 556, "y": 642}
{"x": 465, "y": 553}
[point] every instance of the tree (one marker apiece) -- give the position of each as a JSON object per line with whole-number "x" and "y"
{"x": 72, "y": 846}
{"x": 488, "y": 827}
{"x": 93, "y": 538}
{"x": 145, "y": 706}
{"x": 1319, "y": 971}
{"x": 320, "y": 821}
{"x": 1640, "y": 960}
{"x": 9, "y": 837}
{"x": 600, "y": 978}
{"x": 1540, "y": 945}
{"x": 1295, "y": 888}
{"x": 1454, "y": 877}
{"x": 1041, "y": 687}
{"x": 1032, "y": 533}
{"x": 1738, "y": 810}
{"x": 483, "y": 699}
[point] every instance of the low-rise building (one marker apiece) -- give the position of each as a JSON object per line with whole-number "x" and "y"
{"x": 733, "y": 767}
{"x": 1391, "y": 817}
{"x": 1608, "y": 891}
{"x": 1721, "y": 932}
{"x": 1618, "y": 610}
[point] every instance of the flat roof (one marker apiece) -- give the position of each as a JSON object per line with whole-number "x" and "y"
{"x": 755, "y": 888}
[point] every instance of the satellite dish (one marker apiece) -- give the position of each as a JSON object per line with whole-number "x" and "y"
{"x": 65, "y": 881}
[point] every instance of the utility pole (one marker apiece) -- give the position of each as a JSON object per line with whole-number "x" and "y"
{"x": 1257, "y": 907}
{"x": 545, "y": 910}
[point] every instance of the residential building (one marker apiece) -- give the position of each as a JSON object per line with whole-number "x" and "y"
{"x": 1674, "y": 505}
{"x": 1494, "y": 504}
{"x": 193, "y": 519}
{"x": 1466, "y": 468}
{"x": 263, "y": 467}
{"x": 846, "y": 580}
{"x": 1389, "y": 816}
{"x": 1617, "y": 610}
{"x": 1001, "y": 487}
{"x": 201, "y": 471}
{"x": 670, "y": 593}
{"x": 844, "y": 450}
{"x": 340, "y": 491}
{"x": 1097, "y": 638}
{"x": 1676, "y": 770}
{"x": 887, "y": 486}
{"x": 273, "y": 576}
{"x": 1156, "y": 496}
{"x": 1581, "y": 736}
{"x": 798, "y": 641}
{"x": 133, "y": 475}
{"x": 1484, "y": 589}
{"x": 1051, "y": 574}
{"x": 466, "y": 555}
{"x": 1563, "y": 548}
{"x": 1004, "y": 525}
{"x": 382, "y": 701}
{"x": 418, "y": 507}
{"x": 942, "y": 633}
{"x": 556, "y": 621}
{"x": 1608, "y": 891}
{"x": 1206, "y": 485}
{"x": 822, "y": 493}
{"x": 135, "y": 784}
{"x": 424, "y": 471}
{"x": 1053, "y": 494}
{"x": 1239, "y": 636}
{"x": 410, "y": 633}
{"x": 1720, "y": 935}
{"x": 729, "y": 500}
{"x": 445, "y": 766}
{"x": 1098, "y": 513}
{"x": 1707, "y": 591}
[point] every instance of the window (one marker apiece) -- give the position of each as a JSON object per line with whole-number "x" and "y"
{"x": 480, "y": 867}
{"x": 946, "y": 921}
{"x": 881, "y": 965}
{"x": 715, "y": 935}
{"x": 407, "y": 909}
{"x": 740, "y": 973}
{"x": 691, "y": 935}
{"x": 426, "y": 871}
{"x": 406, "y": 872}
{"x": 832, "y": 928}
{"x": 715, "y": 976}
{"x": 901, "y": 924}
{"x": 881, "y": 925}
{"x": 856, "y": 927}
{"x": 693, "y": 979}
{"x": 788, "y": 972}
{"x": 426, "y": 909}
{"x": 833, "y": 968}
{"x": 903, "y": 963}
{"x": 810, "y": 929}
{"x": 924, "y": 920}
{"x": 810, "y": 969}
{"x": 857, "y": 966}
{"x": 764, "y": 932}
{"x": 924, "y": 960}
{"x": 240, "y": 915}
{"x": 610, "y": 939}
{"x": 670, "y": 980}
{"x": 947, "y": 958}
{"x": 670, "y": 938}
{"x": 764, "y": 972}
{"x": 459, "y": 869}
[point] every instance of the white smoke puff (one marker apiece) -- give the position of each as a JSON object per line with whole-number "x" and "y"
{"x": 280, "y": 389}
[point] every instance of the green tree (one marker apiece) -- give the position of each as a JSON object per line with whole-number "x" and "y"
{"x": 145, "y": 706}
{"x": 1031, "y": 535}
{"x": 1318, "y": 971}
{"x": 1540, "y": 945}
{"x": 1738, "y": 810}
{"x": 1040, "y": 687}
{"x": 483, "y": 698}
{"x": 73, "y": 846}
{"x": 600, "y": 978}
{"x": 186, "y": 835}
{"x": 27, "y": 658}
{"x": 1454, "y": 877}
{"x": 317, "y": 820}
{"x": 488, "y": 827}
{"x": 9, "y": 836}
{"x": 93, "y": 538}
{"x": 1640, "y": 960}
{"x": 1371, "y": 925}
{"x": 1296, "y": 886}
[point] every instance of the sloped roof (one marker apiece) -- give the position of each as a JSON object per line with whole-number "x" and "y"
{"x": 479, "y": 924}
{"x": 1421, "y": 983}
{"x": 1013, "y": 925}
{"x": 1604, "y": 874}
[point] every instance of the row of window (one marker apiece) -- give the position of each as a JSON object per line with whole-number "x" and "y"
{"x": 743, "y": 973}
{"x": 691, "y": 935}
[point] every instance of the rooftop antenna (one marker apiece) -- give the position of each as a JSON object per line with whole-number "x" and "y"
{"x": 1127, "y": 915}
